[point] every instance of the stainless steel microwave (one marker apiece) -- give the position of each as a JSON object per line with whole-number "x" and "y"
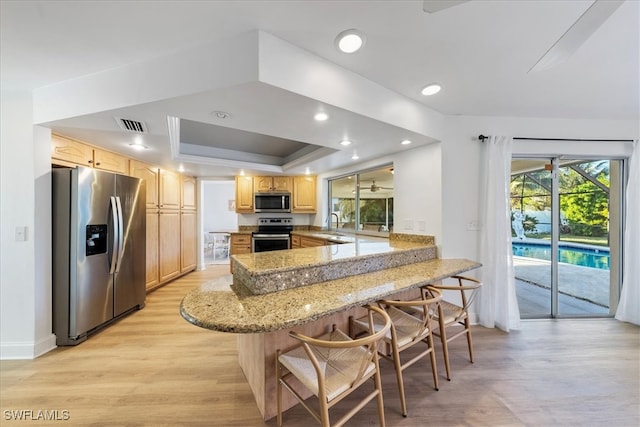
{"x": 272, "y": 202}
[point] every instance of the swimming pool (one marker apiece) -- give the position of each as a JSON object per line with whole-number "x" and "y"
{"x": 594, "y": 258}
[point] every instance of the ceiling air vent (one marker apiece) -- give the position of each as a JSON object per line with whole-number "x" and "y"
{"x": 131, "y": 125}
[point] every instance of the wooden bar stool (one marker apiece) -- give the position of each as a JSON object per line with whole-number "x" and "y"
{"x": 334, "y": 365}
{"x": 454, "y": 317}
{"x": 405, "y": 332}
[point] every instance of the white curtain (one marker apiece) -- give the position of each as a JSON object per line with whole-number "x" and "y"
{"x": 629, "y": 305}
{"x": 498, "y": 305}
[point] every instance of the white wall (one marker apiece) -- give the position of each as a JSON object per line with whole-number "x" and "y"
{"x": 25, "y": 279}
{"x": 215, "y": 206}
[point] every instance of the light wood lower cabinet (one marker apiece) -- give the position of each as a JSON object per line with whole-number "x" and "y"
{"x": 310, "y": 242}
{"x": 189, "y": 255}
{"x": 240, "y": 244}
{"x": 169, "y": 244}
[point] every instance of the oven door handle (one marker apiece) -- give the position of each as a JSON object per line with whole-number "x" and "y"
{"x": 270, "y": 236}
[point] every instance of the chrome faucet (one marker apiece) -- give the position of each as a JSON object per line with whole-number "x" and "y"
{"x": 337, "y": 219}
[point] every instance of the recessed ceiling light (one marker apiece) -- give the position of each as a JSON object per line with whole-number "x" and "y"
{"x": 350, "y": 41}
{"x": 405, "y": 142}
{"x": 138, "y": 147}
{"x": 221, "y": 114}
{"x": 345, "y": 142}
{"x": 431, "y": 89}
{"x": 355, "y": 156}
{"x": 321, "y": 117}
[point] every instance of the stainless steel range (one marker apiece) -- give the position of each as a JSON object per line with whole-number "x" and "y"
{"x": 273, "y": 234}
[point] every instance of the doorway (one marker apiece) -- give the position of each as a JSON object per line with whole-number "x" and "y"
{"x": 218, "y": 220}
{"x": 566, "y": 235}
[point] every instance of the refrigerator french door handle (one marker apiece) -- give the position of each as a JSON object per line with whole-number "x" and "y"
{"x": 115, "y": 233}
{"x": 120, "y": 233}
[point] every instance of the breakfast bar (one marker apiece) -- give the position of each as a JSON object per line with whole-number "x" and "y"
{"x": 307, "y": 290}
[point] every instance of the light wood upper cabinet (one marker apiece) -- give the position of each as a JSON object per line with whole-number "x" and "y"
{"x": 266, "y": 184}
{"x": 244, "y": 194}
{"x": 304, "y": 194}
{"x": 72, "y": 151}
{"x": 112, "y": 162}
{"x": 188, "y": 192}
{"x": 150, "y": 175}
{"x": 170, "y": 189}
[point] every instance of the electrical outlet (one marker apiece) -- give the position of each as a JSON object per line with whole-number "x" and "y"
{"x": 473, "y": 226}
{"x": 408, "y": 224}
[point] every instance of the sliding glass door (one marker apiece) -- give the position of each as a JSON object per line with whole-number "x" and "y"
{"x": 566, "y": 228}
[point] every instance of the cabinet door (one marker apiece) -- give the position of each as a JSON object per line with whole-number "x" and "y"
{"x": 244, "y": 194}
{"x": 152, "y": 278}
{"x": 188, "y": 192}
{"x": 169, "y": 244}
{"x": 71, "y": 151}
{"x": 112, "y": 162}
{"x": 262, "y": 184}
{"x": 311, "y": 242}
{"x": 282, "y": 184}
{"x": 150, "y": 176}
{"x": 169, "y": 190}
{"x": 295, "y": 241}
{"x": 188, "y": 241}
{"x": 304, "y": 194}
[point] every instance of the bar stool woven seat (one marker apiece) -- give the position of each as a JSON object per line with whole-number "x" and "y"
{"x": 334, "y": 365}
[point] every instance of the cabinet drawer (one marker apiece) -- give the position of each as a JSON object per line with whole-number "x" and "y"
{"x": 237, "y": 239}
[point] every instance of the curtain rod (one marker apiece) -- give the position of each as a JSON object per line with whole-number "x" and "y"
{"x": 483, "y": 137}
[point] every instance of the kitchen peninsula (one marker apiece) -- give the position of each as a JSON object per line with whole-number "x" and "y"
{"x": 307, "y": 290}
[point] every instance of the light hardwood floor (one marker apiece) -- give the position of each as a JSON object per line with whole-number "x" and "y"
{"x": 153, "y": 368}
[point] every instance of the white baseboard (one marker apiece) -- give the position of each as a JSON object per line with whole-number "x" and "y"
{"x": 19, "y": 350}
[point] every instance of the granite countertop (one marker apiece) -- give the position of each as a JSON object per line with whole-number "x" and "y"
{"x": 214, "y": 305}
{"x": 292, "y": 259}
{"x": 274, "y": 271}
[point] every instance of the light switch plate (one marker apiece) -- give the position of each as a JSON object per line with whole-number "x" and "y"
{"x": 21, "y": 234}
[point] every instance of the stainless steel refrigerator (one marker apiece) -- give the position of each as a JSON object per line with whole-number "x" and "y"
{"x": 99, "y": 245}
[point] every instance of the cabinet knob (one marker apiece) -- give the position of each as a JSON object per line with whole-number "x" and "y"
{"x": 90, "y": 161}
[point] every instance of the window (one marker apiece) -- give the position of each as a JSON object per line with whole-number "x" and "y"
{"x": 362, "y": 202}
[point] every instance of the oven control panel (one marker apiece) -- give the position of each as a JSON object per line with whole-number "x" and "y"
{"x": 275, "y": 221}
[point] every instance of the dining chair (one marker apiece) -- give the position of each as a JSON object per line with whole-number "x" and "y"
{"x": 332, "y": 366}
{"x": 208, "y": 243}
{"x": 454, "y": 317}
{"x": 405, "y": 332}
{"x": 221, "y": 245}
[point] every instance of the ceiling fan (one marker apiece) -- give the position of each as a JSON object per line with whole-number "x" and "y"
{"x": 568, "y": 43}
{"x": 373, "y": 187}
